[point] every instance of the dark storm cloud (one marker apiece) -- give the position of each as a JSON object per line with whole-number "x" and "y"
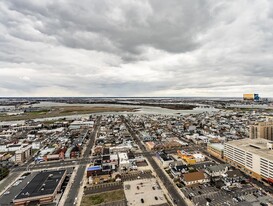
{"x": 122, "y": 27}
{"x": 145, "y": 47}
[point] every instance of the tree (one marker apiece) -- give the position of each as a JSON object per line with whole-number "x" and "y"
{"x": 3, "y": 172}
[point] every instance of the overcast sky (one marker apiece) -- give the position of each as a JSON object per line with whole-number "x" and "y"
{"x": 136, "y": 47}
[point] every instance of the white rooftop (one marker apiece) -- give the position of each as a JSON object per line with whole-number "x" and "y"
{"x": 217, "y": 146}
{"x": 146, "y": 189}
{"x": 255, "y": 146}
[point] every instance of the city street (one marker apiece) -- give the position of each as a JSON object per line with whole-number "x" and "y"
{"x": 176, "y": 197}
{"x": 77, "y": 181}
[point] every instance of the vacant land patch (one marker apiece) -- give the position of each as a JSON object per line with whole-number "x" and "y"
{"x": 102, "y": 198}
{"x": 63, "y": 111}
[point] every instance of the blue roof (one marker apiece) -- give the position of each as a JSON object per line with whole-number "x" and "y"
{"x": 93, "y": 168}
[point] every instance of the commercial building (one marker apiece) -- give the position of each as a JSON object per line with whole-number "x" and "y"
{"x": 124, "y": 162}
{"x": 42, "y": 189}
{"x": 81, "y": 124}
{"x": 23, "y": 154}
{"x": 94, "y": 170}
{"x": 189, "y": 158}
{"x": 164, "y": 158}
{"x": 262, "y": 130}
{"x": 252, "y": 156}
{"x": 216, "y": 150}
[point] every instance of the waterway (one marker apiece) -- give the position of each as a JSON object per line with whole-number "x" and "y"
{"x": 139, "y": 110}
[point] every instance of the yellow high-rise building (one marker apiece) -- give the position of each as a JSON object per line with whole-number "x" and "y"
{"x": 252, "y": 97}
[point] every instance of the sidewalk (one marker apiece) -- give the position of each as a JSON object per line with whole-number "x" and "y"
{"x": 68, "y": 187}
{"x": 8, "y": 181}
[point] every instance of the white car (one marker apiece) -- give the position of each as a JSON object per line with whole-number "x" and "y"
{"x": 7, "y": 192}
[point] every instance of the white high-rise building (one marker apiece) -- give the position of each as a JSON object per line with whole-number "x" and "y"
{"x": 252, "y": 156}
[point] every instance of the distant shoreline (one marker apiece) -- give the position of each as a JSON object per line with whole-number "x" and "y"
{"x": 165, "y": 106}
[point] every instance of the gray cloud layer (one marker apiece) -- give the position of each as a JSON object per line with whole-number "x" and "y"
{"x": 136, "y": 48}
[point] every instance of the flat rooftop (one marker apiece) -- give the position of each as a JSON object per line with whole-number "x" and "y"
{"x": 146, "y": 189}
{"x": 255, "y": 146}
{"x": 164, "y": 156}
{"x": 217, "y": 146}
{"x": 23, "y": 149}
{"x": 44, "y": 183}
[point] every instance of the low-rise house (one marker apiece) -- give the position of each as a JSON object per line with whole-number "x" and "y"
{"x": 194, "y": 178}
{"x": 177, "y": 170}
{"x": 217, "y": 170}
{"x": 232, "y": 177}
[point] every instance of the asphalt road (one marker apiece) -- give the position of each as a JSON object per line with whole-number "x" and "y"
{"x": 177, "y": 198}
{"x": 5, "y": 182}
{"x": 77, "y": 182}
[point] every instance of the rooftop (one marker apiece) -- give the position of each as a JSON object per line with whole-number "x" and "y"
{"x": 194, "y": 176}
{"x": 164, "y": 156}
{"x": 216, "y": 168}
{"x": 255, "y": 146}
{"x": 146, "y": 189}
{"x": 44, "y": 183}
{"x": 217, "y": 146}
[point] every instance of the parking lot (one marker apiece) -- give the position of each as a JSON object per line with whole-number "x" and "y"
{"x": 11, "y": 192}
{"x": 215, "y": 198}
{"x": 137, "y": 175}
{"x": 105, "y": 187}
{"x": 199, "y": 190}
{"x": 202, "y": 194}
{"x": 248, "y": 195}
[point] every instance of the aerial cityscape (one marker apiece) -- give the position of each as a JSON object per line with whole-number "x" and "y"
{"x": 112, "y": 151}
{"x": 136, "y": 103}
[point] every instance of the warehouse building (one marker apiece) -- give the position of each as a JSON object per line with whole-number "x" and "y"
{"x": 42, "y": 189}
{"x": 252, "y": 156}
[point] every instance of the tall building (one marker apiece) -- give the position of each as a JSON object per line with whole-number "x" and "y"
{"x": 252, "y": 156}
{"x": 252, "y": 97}
{"x": 263, "y": 130}
{"x": 23, "y": 154}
